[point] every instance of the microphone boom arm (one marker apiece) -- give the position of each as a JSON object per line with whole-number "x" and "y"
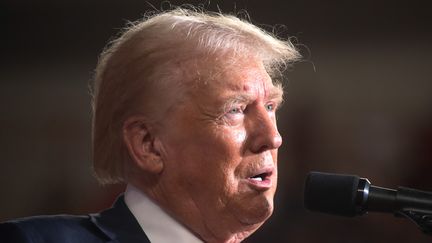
{"x": 404, "y": 202}
{"x": 421, "y": 218}
{"x": 419, "y": 212}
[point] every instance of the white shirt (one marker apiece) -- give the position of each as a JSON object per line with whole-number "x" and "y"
{"x": 156, "y": 223}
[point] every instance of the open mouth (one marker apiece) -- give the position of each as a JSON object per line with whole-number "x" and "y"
{"x": 261, "y": 177}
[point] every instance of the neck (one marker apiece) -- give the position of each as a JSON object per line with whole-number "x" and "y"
{"x": 187, "y": 213}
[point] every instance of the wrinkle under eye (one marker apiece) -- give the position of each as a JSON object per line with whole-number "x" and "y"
{"x": 234, "y": 115}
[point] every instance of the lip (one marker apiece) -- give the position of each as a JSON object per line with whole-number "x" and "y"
{"x": 266, "y": 183}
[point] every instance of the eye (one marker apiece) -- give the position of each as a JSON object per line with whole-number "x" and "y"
{"x": 270, "y": 107}
{"x": 235, "y": 110}
{"x": 234, "y": 113}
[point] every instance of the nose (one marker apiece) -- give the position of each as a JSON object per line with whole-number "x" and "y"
{"x": 263, "y": 132}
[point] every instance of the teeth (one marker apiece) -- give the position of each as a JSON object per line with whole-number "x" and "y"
{"x": 256, "y": 178}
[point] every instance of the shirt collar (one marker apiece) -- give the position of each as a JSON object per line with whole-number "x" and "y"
{"x": 156, "y": 223}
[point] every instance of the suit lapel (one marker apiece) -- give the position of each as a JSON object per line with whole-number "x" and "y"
{"x": 119, "y": 224}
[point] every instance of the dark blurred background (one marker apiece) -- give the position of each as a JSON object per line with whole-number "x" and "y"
{"x": 359, "y": 103}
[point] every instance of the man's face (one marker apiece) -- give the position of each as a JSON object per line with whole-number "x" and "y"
{"x": 220, "y": 150}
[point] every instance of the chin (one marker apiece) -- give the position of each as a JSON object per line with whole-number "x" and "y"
{"x": 263, "y": 210}
{"x": 257, "y": 211}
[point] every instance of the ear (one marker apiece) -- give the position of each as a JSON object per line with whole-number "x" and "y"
{"x": 140, "y": 143}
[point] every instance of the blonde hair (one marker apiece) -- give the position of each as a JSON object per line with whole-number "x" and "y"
{"x": 136, "y": 68}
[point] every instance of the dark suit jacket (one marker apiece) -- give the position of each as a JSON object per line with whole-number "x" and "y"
{"x": 114, "y": 225}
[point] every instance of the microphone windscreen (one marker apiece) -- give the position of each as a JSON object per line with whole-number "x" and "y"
{"x": 331, "y": 193}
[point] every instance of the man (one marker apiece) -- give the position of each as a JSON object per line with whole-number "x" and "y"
{"x": 185, "y": 114}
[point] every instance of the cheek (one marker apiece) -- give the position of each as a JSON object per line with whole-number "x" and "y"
{"x": 239, "y": 137}
{"x": 221, "y": 156}
{"x": 221, "y": 141}
{"x": 227, "y": 146}
{"x": 207, "y": 154}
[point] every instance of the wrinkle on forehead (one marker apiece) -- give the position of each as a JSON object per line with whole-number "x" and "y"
{"x": 205, "y": 68}
{"x": 244, "y": 79}
{"x": 251, "y": 82}
{"x": 258, "y": 89}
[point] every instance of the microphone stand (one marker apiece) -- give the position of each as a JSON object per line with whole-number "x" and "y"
{"x": 405, "y": 202}
{"x": 416, "y": 206}
{"x": 423, "y": 219}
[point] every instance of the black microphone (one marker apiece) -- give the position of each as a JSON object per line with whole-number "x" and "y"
{"x": 350, "y": 195}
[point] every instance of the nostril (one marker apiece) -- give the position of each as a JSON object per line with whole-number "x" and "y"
{"x": 262, "y": 149}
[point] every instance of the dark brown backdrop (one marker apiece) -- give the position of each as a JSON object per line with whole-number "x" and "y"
{"x": 360, "y": 103}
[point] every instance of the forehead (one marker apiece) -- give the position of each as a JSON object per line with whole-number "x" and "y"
{"x": 242, "y": 76}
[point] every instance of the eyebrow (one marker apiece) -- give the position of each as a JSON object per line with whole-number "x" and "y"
{"x": 275, "y": 93}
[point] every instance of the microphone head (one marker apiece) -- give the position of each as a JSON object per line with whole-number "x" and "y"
{"x": 331, "y": 193}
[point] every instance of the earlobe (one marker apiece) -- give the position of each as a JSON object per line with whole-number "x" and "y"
{"x": 140, "y": 143}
